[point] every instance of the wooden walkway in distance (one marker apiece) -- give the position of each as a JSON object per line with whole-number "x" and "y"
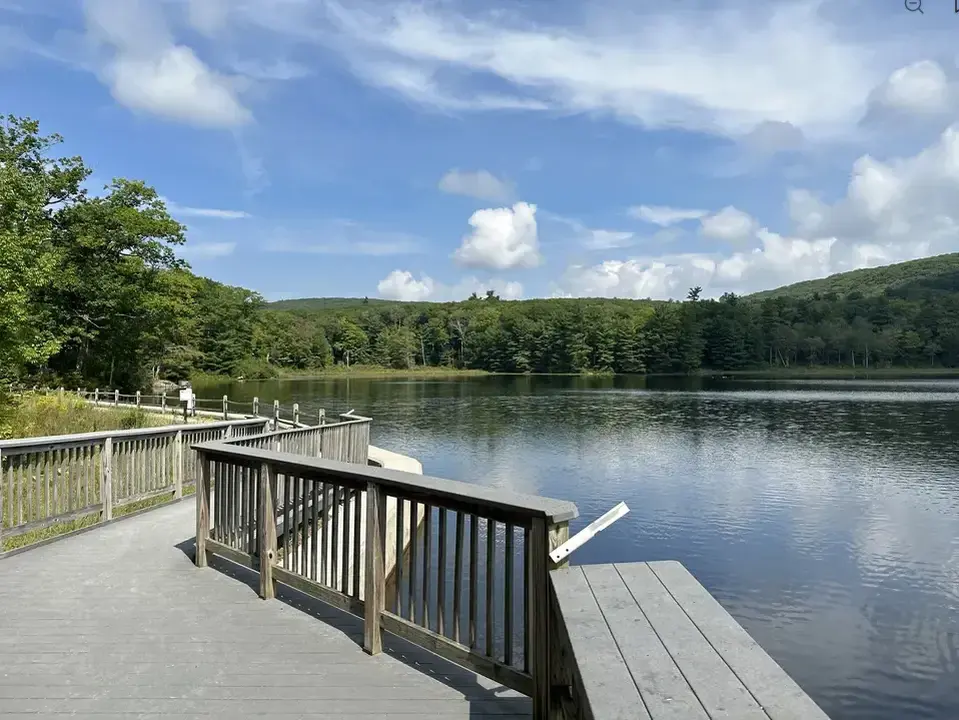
{"x": 650, "y": 642}
{"x": 118, "y": 622}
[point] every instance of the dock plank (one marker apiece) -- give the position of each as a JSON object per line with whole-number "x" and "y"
{"x": 778, "y": 693}
{"x": 118, "y": 622}
{"x": 722, "y": 694}
{"x": 662, "y": 686}
{"x": 612, "y": 691}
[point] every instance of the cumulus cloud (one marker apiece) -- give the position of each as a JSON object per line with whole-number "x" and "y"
{"x": 921, "y": 88}
{"x": 892, "y": 211}
{"x": 729, "y": 224}
{"x": 402, "y": 285}
{"x": 664, "y": 216}
{"x": 480, "y": 184}
{"x": 502, "y": 238}
{"x": 147, "y": 71}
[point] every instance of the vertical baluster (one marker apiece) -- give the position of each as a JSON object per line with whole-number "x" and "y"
{"x": 398, "y": 559}
{"x": 314, "y": 530}
{"x": 304, "y": 529}
{"x": 526, "y": 589}
{"x": 254, "y": 481}
{"x": 325, "y": 550}
{"x": 474, "y": 589}
{"x": 357, "y": 540}
{"x": 288, "y": 522}
{"x": 347, "y": 538}
{"x": 508, "y": 597}
{"x": 427, "y": 550}
{"x": 490, "y": 587}
{"x": 441, "y": 575}
{"x": 458, "y": 576}
{"x": 411, "y": 581}
{"x": 334, "y": 555}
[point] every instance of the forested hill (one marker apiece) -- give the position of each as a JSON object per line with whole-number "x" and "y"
{"x": 915, "y": 278}
{"x": 93, "y": 292}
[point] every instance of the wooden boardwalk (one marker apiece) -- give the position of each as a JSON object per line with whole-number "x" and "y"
{"x": 649, "y": 642}
{"x": 118, "y": 622}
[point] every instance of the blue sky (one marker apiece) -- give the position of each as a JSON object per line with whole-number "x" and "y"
{"x": 426, "y": 150}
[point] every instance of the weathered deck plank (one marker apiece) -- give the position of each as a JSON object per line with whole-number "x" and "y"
{"x": 118, "y": 622}
{"x": 650, "y": 641}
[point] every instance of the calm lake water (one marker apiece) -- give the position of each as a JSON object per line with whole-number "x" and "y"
{"x": 824, "y": 515}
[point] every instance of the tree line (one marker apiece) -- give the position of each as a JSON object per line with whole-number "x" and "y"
{"x": 93, "y": 292}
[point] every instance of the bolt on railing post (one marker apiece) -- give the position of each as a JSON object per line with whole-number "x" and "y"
{"x": 296, "y": 413}
{"x": 256, "y": 405}
{"x": 138, "y": 398}
{"x": 226, "y": 407}
{"x": 374, "y": 597}
{"x": 266, "y": 524}
{"x": 106, "y": 479}
{"x": 276, "y": 414}
{"x": 116, "y": 398}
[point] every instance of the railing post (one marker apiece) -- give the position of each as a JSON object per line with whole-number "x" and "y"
{"x": 374, "y": 597}
{"x": 256, "y": 405}
{"x": 138, "y": 398}
{"x": 544, "y": 538}
{"x": 106, "y": 479}
{"x": 226, "y": 407}
{"x": 178, "y": 465}
{"x": 96, "y": 396}
{"x": 162, "y": 402}
{"x": 202, "y": 510}
{"x": 276, "y": 414}
{"x": 1, "y": 503}
{"x": 266, "y": 530}
{"x": 116, "y": 397}
{"x": 60, "y": 391}
{"x": 296, "y": 414}
{"x": 322, "y": 416}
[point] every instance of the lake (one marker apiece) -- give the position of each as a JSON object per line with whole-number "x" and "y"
{"x": 824, "y": 515}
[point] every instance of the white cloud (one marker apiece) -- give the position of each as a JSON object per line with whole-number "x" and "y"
{"x": 609, "y": 239}
{"x": 921, "y": 88}
{"x": 185, "y": 211}
{"x": 208, "y": 250}
{"x": 502, "y": 238}
{"x": 664, "y": 216}
{"x": 719, "y": 70}
{"x": 892, "y": 211}
{"x": 480, "y": 184}
{"x": 729, "y": 224}
{"x": 402, "y": 285}
{"x": 147, "y": 71}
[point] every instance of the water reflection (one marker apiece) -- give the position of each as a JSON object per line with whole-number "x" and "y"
{"x": 823, "y": 514}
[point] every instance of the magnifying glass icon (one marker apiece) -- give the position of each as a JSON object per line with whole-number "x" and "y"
{"x": 914, "y": 6}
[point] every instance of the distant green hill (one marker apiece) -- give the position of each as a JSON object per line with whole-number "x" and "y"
{"x": 913, "y": 280}
{"x": 332, "y": 303}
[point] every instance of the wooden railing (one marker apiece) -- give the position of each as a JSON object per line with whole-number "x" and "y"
{"x": 471, "y": 585}
{"x": 347, "y": 440}
{"x": 46, "y": 481}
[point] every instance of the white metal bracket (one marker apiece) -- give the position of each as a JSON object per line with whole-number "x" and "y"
{"x": 587, "y": 533}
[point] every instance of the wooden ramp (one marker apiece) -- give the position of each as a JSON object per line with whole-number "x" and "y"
{"x": 649, "y": 642}
{"x": 118, "y": 622}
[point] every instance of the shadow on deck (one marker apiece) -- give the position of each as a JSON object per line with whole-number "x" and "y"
{"x": 118, "y": 621}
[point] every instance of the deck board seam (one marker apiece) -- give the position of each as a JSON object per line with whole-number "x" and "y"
{"x": 710, "y": 643}
{"x": 659, "y": 637}
{"x": 639, "y": 690}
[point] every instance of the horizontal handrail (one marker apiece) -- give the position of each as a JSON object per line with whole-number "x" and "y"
{"x": 455, "y": 494}
{"x": 38, "y": 444}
